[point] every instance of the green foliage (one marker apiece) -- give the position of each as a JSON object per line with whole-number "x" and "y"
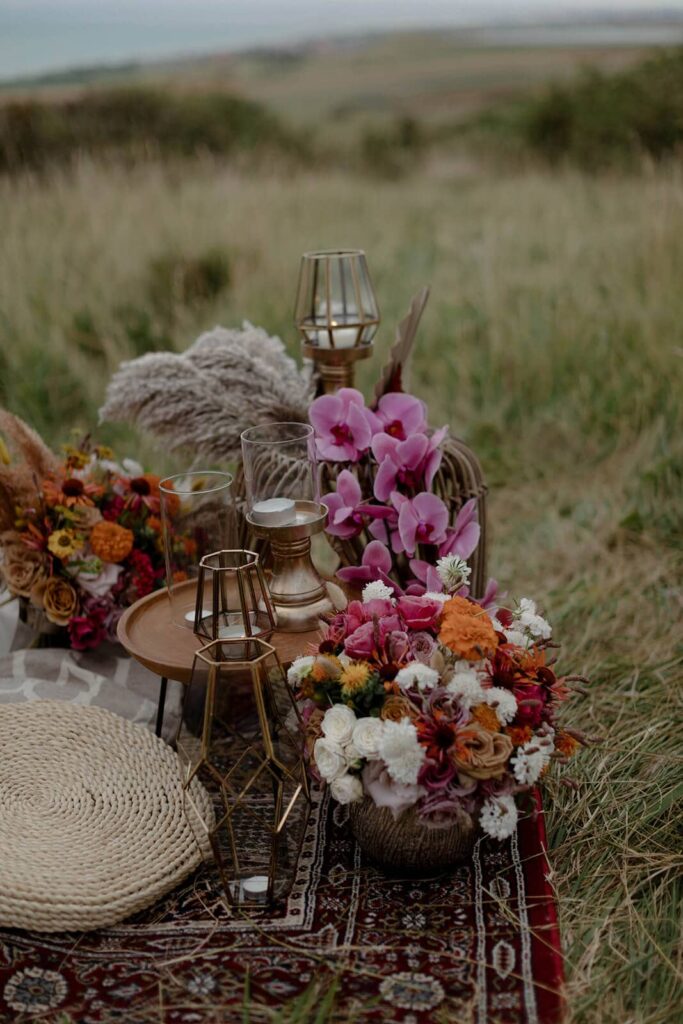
{"x": 136, "y": 123}
{"x": 393, "y": 151}
{"x": 607, "y": 120}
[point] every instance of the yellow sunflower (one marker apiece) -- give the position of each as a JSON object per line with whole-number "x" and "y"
{"x": 64, "y": 543}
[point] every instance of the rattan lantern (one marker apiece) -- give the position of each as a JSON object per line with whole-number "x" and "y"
{"x": 241, "y": 736}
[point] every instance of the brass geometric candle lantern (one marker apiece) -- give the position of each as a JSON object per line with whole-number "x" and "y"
{"x": 233, "y": 599}
{"x": 336, "y": 313}
{"x": 241, "y": 736}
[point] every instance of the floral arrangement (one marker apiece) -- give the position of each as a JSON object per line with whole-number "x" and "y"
{"x": 382, "y": 511}
{"x": 435, "y": 702}
{"x": 84, "y": 542}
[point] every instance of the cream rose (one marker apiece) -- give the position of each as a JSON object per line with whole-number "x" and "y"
{"x": 481, "y": 754}
{"x": 367, "y": 736}
{"x": 329, "y": 759}
{"x": 338, "y": 724}
{"x": 347, "y": 789}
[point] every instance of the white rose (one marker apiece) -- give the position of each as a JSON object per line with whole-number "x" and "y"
{"x": 329, "y": 759}
{"x": 367, "y": 736}
{"x": 347, "y": 789}
{"x": 338, "y": 724}
{"x": 352, "y": 754}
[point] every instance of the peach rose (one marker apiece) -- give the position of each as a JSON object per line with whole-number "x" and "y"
{"x": 396, "y": 707}
{"x": 22, "y": 568}
{"x": 481, "y": 754}
{"x": 57, "y": 598}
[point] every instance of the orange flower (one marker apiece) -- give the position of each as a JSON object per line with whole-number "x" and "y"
{"x": 154, "y": 523}
{"x": 486, "y": 716}
{"x": 566, "y": 744}
{"x": 519, "y": 734}
{"x": 70, "y": 492}
{"x": 467, "y": 630}
{"x": 179, "y": 576}
{"x": 111, "y": 542}
{"x": 481, "y": 754}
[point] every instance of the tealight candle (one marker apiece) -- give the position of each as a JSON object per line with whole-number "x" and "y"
{"x": 274, "y": 512}
{"x": 189, "y": 616}
{"x": 235, "y": 628}
{"x": 256, "y": 887}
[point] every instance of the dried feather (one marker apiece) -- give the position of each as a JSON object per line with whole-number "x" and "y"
{"x": 392, "y": 377}
{"x": 31, "y": 462}
{"x": 204, "y": 398}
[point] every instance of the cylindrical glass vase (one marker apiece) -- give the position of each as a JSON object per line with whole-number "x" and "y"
{"x": 196, "y": 516}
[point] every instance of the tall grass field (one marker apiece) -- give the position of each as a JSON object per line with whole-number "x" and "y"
{"x": 552, "y": 342}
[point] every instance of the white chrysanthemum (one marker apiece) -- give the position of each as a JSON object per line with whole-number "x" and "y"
{"x": 530, "y": 621}
{"x": 347, "y": 789}
{"x": 498, "y": 817}
{"x": 532, "y": 758}
{"x": 377, "y": 591}
{"x": 401, "y": 752}
{"x": 454, "y": 572}
{"x": 367, "y": 736}
{"x": 329, "y": 759}
{"x": 299, "y": 669}
{"x": 464, "y": 684}
{"x": 338, "y": 724}
{"x": 433, "y": 596}
{"x": 417, "y": 674}
{"x": 503, "y": 702}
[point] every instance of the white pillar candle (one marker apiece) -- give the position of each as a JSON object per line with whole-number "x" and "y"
{"x": 274, "y": 512}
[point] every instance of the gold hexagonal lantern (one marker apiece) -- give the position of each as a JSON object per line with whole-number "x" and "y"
{"x": 241, "y": 736}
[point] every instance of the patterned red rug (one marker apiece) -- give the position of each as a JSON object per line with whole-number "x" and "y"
{"x": 480, "y": 945}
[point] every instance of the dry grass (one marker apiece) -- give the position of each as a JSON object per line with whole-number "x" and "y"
{"x": 554, "y": 341}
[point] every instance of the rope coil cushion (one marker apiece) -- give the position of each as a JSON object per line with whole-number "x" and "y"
{"x": 92, "y": 821}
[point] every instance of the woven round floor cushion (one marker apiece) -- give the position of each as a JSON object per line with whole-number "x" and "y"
{"x": 92, "y": 819}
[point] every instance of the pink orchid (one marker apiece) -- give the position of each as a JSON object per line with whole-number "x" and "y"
{"x": 411, "y": 464}
{"x": 490, "y": 599}
{"x": 376, "y": 565}
{"x": 343, "y": 426}
{"x": 421, "y": 520}
{"x": 401, "y": 415}
{"x": 429, "y": 578}
{"x": 463, "y": 537}
{"x": 347, "y": 511}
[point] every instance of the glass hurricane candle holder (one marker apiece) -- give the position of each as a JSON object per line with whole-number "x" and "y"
{"x": 241, "y": 735}
{"x": 336, "y": 312}
{"x": 280, "y": 475}
{"x": 231, "y": 585}
{"x": 196, "y": 519}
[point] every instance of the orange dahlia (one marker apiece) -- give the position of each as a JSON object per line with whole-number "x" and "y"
{"x": 467, "y": 630}
{"x": 486, "y": 716}
{"x": 519, "y": 734}
{"x": 111, "y": 542}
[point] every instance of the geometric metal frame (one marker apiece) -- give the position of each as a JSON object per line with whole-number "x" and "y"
{"x": 239, "y": 595}
{"x": 236, "y": 766}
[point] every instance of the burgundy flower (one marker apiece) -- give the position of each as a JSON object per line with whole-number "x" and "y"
{"x": 113, "y": 508}
{"x": 87, "y": 631}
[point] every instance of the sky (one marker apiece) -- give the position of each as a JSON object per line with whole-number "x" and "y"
{"x": 45, "y": 35}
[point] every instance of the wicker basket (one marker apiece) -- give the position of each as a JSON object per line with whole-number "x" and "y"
{"x": 406, "y": 844}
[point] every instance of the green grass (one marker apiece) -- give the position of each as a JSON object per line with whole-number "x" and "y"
{"x": 553, "y": 341}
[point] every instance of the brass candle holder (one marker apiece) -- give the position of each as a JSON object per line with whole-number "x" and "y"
{"x": 336, "y": 313}
{"x": 299, "y": 595}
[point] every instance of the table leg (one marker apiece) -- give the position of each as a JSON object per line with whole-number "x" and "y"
{"x": 160, "y": 706}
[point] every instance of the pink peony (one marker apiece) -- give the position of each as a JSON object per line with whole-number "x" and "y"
{"x": 420, "y": 612}
{"x": 343, "y": 426}
{"x": 379, "y": 785}
{"x": 401, "y": 415}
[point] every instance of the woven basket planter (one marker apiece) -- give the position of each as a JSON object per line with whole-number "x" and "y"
{"x": 405, "y": 844}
